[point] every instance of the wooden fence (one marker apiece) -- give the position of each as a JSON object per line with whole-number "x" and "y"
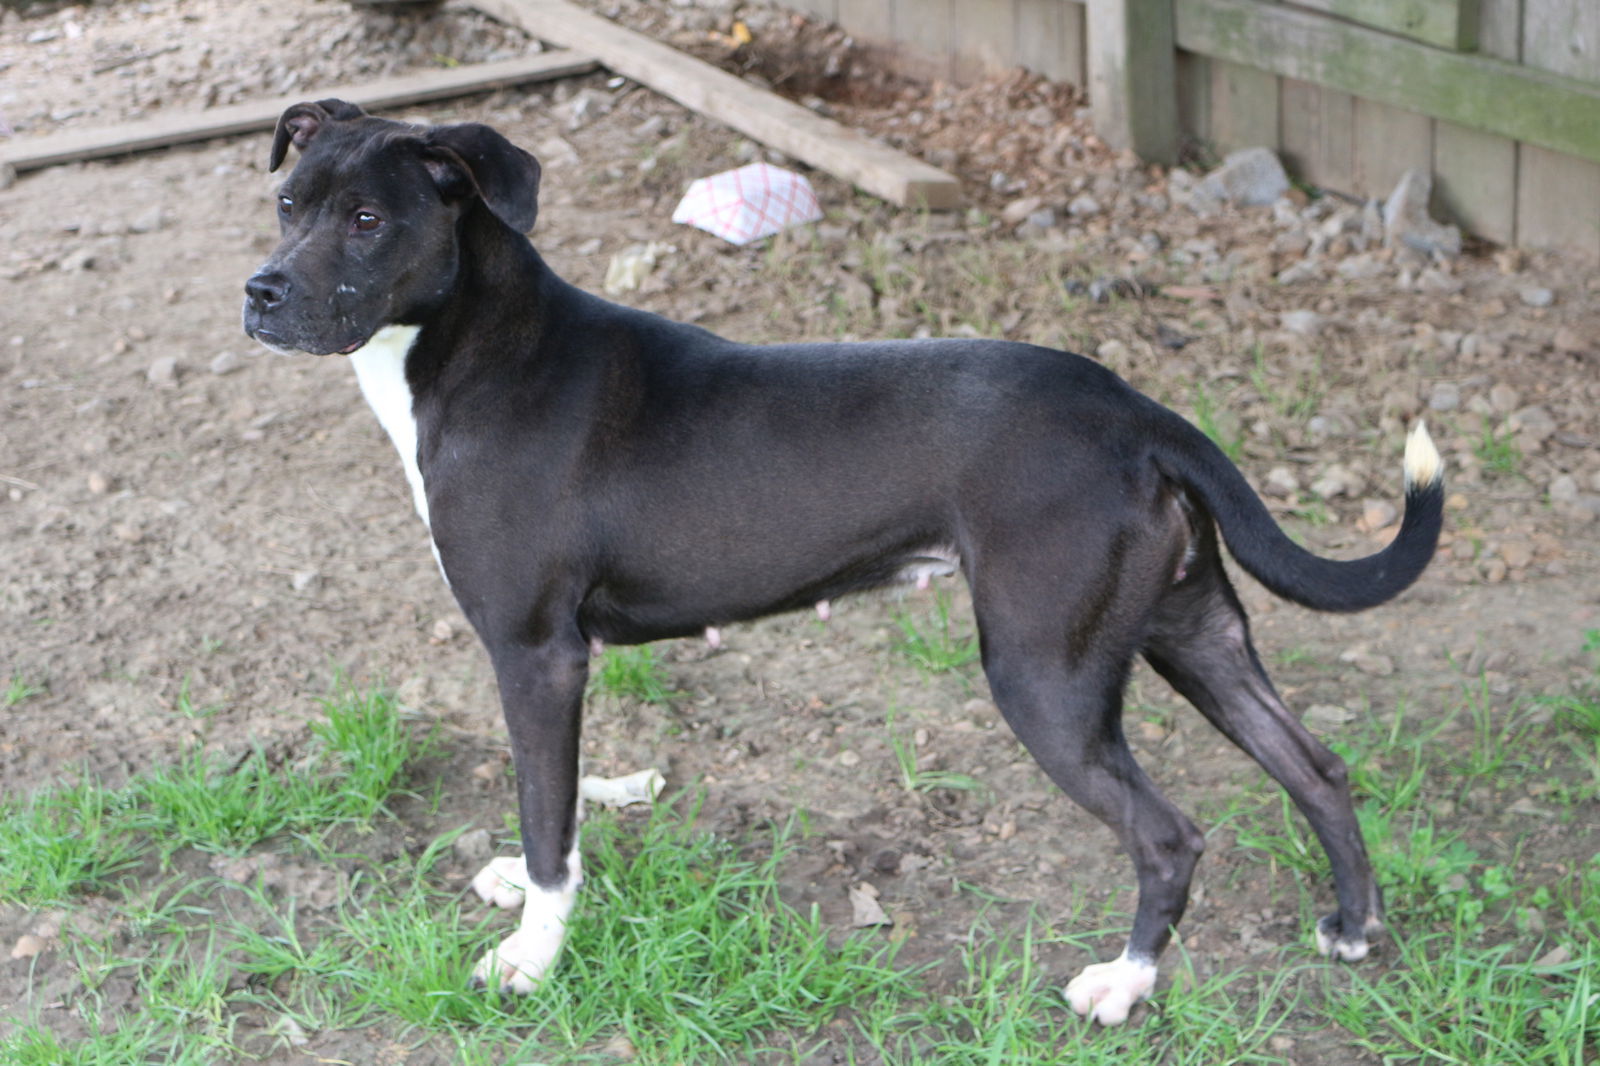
{"x": 1500, "y": 99}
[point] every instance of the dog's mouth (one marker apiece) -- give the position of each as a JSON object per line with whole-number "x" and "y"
{"x": 283, "y": 346}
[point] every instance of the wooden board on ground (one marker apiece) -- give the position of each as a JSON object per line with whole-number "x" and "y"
{"x": 770, "y": 119}
{"x": 185, "y": 126}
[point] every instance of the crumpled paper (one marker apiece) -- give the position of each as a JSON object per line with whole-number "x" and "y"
{"x": 749, "y": 203}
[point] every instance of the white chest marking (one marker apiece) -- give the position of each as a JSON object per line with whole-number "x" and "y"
{"x": 380, "y": 366}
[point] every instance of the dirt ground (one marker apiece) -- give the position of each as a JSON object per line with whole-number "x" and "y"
{"x": 189, "y": 522}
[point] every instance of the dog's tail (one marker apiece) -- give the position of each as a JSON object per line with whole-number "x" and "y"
{"x": 1287, "y": 569}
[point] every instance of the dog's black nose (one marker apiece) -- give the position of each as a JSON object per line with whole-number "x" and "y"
{"x": 267, "y": 290}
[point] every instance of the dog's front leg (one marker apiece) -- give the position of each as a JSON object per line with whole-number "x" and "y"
{"x": 541, "y": 691}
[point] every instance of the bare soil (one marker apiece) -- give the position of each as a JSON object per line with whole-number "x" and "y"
{"x": 190, "y": 523}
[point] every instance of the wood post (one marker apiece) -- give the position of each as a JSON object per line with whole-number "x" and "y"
{"x": 1133, "y": 88}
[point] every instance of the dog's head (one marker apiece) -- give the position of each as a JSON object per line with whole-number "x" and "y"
{"x": 370, "y": 222}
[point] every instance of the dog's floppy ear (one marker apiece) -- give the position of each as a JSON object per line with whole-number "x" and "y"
{"x": 470, "y": 159}
{"x": 302, "y": 122}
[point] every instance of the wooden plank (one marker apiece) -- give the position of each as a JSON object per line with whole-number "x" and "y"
{"x": 1194, "y": 97}
{"x": 984, "y": 37}
{"x": 1387, "y": 142}
{"x": 1449, "y": 24}
{"x": 1562, "y": 36}
{"x": 923, "y": 28}
{"x": 1558, "y": 201}
{"x": 1475, "y": 180}
{"x": 1244, "y": 107}
{"x": 1500, "y": 28}
{"x": 180, "y": 127}
{"x": 1045, "y": 44}
{"x": 1133, "y": 88}
{"x": 807, "y": 136}
{"x": 1492, "y": 95}
{"x": 1075, "y": 42}
{"x": 872, "y": 19}
{"x": 1318, "y": 134}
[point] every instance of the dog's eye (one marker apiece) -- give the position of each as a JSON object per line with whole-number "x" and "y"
{"x": 285, "y": 204}
{"x": 366, "y": 221}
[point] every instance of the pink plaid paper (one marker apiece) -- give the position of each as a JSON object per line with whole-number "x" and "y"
{"x": 749, "y": 203}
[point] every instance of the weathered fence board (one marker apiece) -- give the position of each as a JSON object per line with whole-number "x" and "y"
{"x": 1388, "y": 142}
{"x": 1318, "y": 133}
{"x": 1475, "y": 180}
{"x": 1545, "y": 109}
{"x": 1132, "y": 76}
{"x": 1449, "y": 24}
{"x": 1244, "y": 107}
{"x": 1050, "y": 39}
{"x": 1558, "y": 201}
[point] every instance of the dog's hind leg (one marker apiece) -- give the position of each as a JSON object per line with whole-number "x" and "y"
{"x": 1200, "y": 642}
{"x": 541, "y": 689}
{"x": 1068, "y": 715}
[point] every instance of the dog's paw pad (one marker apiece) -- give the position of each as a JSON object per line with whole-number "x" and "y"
{"x": 519, "y": 963}
{"x": 504, "y": 882}
{"x": 1107, "y": 991}
{"x": 1332, "y": 944}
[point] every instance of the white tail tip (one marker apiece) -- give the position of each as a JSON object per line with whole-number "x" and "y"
{"x": 1423, "y": 466}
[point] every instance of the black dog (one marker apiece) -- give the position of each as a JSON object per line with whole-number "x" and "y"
{"x": 592, "y": 473}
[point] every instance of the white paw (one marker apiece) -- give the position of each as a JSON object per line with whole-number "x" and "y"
{"x": 1107, "y": 991}
{"x": 521, "y": 960}
{"x": 1344, "y": 949}
{"x": 504, "y": 882}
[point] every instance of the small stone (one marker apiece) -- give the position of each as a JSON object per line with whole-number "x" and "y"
{"x": 865, "y": 909}
{"x": 1406, "y": 222}
{"x": 1250, "y": 177}
{"x": 1493, "y": 570}
{"x": 302, "y": 580}
{"x": 1111, "y": 351}
{"x": 441, "y": 631}
{"x": 27, "y": 946}
{"x": 1536, "y": 296}
{"x": 1569, "y": 341}
{"x": 1517, "y": 553}
{"x": 163, "y": 373}
{"x": 148, "y": 221}
{"x": 227, "y": 363}
{"x": 128, "y": 534}
{"x": 1444, "y": 396}
{"x": 474, "y": 846}
{"x": 99, "y": 484}
{"x": 1360, "y": 267}
{"x": 76, "y": 260}
{"x": 1018, "y": 210}
{"x": 1563, "y": 489}
{"x": 1083, "y": 205}
{"x": 849, "y": 758}
{"x": 1534, "y": 423}
{"x": 1304, "y": 270}
{"x": 1377, "y": 514}
{"x": 1305, "y": 323}
{"x": 1504, "y": 398}
{"x": 1327, "y": 716}
{"x": 1282, "y": 482}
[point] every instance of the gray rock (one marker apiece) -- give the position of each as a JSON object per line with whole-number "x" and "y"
{"x": 1563, "y": 489}
{"x": 163, "y": 372}
{"x": 1536, "y": 296}
{"x": 1083, "y": 205}
{"x": 1533, "y": 423}
{"x": 1250, "y": 177}
{"x": 1446, "y": 396}
{"x": 227, "y": 363}
{"x": 148, "y": 221}
{"x": 1406, "y": 222}
{"x": 1305, "y": 323}
{"x": 473, "y": 847}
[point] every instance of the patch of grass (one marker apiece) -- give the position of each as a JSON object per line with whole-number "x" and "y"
{"x": 18, "y": 689}
{"x": 1497, "y": 450}
{"x": 1217, "y": 423}
{"x": 915, "y": 779}
{"x": 1303, "y": 394}
{"x": 631, "y": 673}
{"x": 934, "y": 647}
{"x": 77, "y": 837}
{"x": 64, "y": 841}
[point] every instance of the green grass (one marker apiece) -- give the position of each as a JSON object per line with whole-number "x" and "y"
{"x": 78, "y": 837}
{"x": 633, "y": 674}
{"x": 1497, "y": 450}
{"x": 683, "y": 949}
{"x": 18, "y": 689}
{"x": 932, "y": 645}
{"x": 1216, "y": 422}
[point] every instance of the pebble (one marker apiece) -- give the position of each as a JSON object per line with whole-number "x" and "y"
{"x": 1536, "y": 296}
{"x": 1111, "y": 351}
{"x": 227, "y": 363}
{"x": 27, "y": 946}
{"x": 1282, "y": 482}
{"x": 1083, "y": 205}
{"x": 1445, "y": 396}
{"x": 849, "y": 758}
{"x": 1504, "y": 398}
{"x": 1305, "y": 323}
{"x": 99, "y": 484}
{"x": 302, "y": 580}
{"x": 474, "y": 846}
{"x": 1328, "y": 715}
{"x": 1534, "y": 423}
{"x": 1377, "y": 514}
{"x": 1018, "y": 210}
{"x": 1563, "y": 489}
{"x": 163, "y": 372}
{"x": 1569, "y": 341}
{"x": 1517, "y": 553}
{"x": 148, "y": 221}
